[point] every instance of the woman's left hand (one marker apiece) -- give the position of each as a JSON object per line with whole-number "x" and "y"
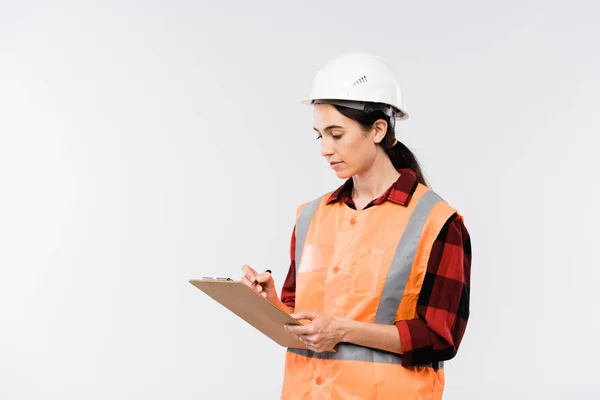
{"x": 323, "y": 333}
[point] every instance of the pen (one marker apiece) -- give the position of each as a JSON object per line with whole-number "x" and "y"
{"x": 256, "y": 280}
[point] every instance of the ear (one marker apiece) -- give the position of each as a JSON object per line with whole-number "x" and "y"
{"x": 379, "y": 130}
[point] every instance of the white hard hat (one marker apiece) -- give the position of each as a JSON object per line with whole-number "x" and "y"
{"x": 352, "y": 79}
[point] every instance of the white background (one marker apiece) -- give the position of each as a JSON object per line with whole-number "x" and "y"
{"x": 146, "y": 143}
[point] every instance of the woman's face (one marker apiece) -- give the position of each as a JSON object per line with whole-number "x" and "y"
{"x": 348, "y": 149}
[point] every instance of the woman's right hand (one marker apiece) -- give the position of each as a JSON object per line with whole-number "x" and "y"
{"x": 265, "y": 285}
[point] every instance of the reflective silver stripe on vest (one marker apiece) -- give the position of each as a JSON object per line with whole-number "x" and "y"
{"x": 397, "y": 277}
{"x": 302, "y": 228}
{"x": 395, "y": 284}
{"x": 352, "y": 352}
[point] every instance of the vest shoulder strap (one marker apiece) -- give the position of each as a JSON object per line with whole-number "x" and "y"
{"x": 304, "y": 218}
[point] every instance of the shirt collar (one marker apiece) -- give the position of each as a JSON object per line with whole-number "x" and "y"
{"x": 400, "y": 192}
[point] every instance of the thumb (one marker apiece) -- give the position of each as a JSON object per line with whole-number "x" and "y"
{"x": 305, "y": 315}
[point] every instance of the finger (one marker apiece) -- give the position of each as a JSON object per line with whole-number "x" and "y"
{"x": 299, "y": 333}
{"x": 297, "y": 337}
{"x": 307, "y": 339}
{"x": 249, "y": 272}
{"x": 247, "y": 282}
{"x": 305, "y": 315}
{"x": 311, "y": 347}
{"x": 300, "y": 329}
{"x": 314, "y": 339}
{"x": 303, "y": 340}
{"x": 287, "y": 330}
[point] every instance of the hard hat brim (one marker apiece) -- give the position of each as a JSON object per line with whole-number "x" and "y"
{"x": 398, "y": 114}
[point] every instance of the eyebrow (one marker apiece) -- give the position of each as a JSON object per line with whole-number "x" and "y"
{"x": 330, "y": 127}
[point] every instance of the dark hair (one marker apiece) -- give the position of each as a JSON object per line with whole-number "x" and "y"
{"x": 399, "y": 154}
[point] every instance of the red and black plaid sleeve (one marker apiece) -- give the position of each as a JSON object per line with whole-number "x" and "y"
{"x": 288, "y": 291}
{"x": 443, "y": 304}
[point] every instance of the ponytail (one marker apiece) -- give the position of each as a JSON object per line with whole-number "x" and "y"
{"x": 402, "y": 157}
{"x": 399, "y": 154}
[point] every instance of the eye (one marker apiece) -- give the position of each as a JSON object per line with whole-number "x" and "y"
{"x": 319, "y": 137}
{"x": 336, "y": 137}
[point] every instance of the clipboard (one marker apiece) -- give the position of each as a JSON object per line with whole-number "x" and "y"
{"x": 250, "y": 306}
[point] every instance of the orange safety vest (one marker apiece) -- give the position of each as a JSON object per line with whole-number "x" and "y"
{"x": 365, "y": 265}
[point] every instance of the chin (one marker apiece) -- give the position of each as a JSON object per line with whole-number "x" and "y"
{"x": 343, "y": 174}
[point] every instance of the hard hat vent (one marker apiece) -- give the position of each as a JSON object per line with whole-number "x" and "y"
{"x": 362, "y": 79}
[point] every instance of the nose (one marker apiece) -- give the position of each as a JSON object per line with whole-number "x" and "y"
{"x": 326, "y": 147}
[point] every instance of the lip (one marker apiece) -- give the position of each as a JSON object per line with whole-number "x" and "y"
{"x": 335, "y": 164}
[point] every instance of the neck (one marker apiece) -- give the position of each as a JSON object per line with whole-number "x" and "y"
{"x": 374, "y": 181}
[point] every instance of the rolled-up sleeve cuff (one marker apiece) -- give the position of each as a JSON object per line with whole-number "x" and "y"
{"x": 415, "y": 339}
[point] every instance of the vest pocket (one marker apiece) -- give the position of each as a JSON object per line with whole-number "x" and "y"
{"x": 365, "y": 271}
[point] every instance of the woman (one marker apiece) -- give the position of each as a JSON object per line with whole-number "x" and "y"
{"x": 380, "y": 268}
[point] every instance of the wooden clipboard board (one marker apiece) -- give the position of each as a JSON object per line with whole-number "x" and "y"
{"x": 252, "y": 308}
